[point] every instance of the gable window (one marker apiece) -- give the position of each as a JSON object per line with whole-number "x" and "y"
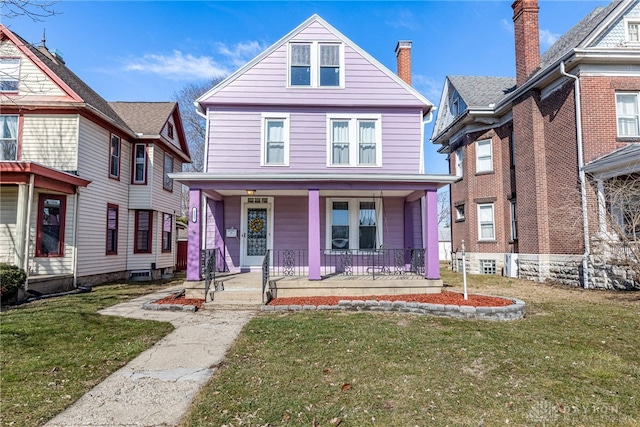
{"x": 112, "y": 229}
{"x": 353, "y": 224}
{"x": 167, "y": 183}
{"x": 9, "y": 74}
{"x": 628, "y": 114}
{"x": 514, "y": 222}
{"x": 460, "y": 213}
{"x": 353, "y": 141}
{"x": 140, "y": 164}
{"x": 167, "y": 226}
{"x": 314, "y": 64}
{"x": 114, "y": 157}
{"x": 170, "y": 130}
{"x": 486, "y": 228}
{"x": 8, "y": 138}
{"x": 484, "y": 156}
{"x": 300, "y": 74}
{"x": 143, "y": 236}
{"x": 458, "y": 161}
{"x": 50, "y": 231}
{"x": 632, "y": 30}
{"x": 275, "y": 140}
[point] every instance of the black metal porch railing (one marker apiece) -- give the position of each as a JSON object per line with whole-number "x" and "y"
{"x": 265, "y": 273}
{"x": 374, "y": 263}
{"x": 208, "y": 267}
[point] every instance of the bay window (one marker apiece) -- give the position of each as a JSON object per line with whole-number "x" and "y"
{"x": 140, "y": 164}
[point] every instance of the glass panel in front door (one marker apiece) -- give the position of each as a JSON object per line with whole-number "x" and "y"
{"x": 256, "y": 231}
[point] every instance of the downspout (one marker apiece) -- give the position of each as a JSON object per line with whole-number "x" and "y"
{"x": 75, "y": 238}
{"x": 27, "y": 225}
{"x": 205, "y": 154}
{"x": 425, "y": 121}
{"x": 583, "y": 182}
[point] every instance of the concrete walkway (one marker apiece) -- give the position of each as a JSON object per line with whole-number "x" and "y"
{"x": 157, "y": 387}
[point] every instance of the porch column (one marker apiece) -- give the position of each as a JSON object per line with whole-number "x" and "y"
{"x": 408, "y": 233}
{"x": 314, "y": 235}
{"x": 430, "y": 229}
{"x": 195, "y": 235}
{"x": 21, "y": 226}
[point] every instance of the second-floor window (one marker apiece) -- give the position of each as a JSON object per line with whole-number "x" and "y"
{"x": 8, "y": 138}
{"x": 457, "y": 158}
{"x": 140, "y": 164}
{"x": 167, "y": 182}
{"x": 9, "y": 74}
{"x": 275, "y": 140}
{"x": 484, "y": 156}
{"x": 313, "y": 64}
{"x": 628, "y": 114}
{"x": 114, "y": 157}
{"x": 354, "y": 141}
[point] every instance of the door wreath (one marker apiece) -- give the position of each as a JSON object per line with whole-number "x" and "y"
{"x": 256, "y": 225}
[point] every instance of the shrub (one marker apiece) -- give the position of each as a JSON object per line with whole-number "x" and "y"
{"x": 12, "y": 278}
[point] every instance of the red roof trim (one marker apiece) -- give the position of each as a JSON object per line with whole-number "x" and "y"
{"x": 18, "y": 173}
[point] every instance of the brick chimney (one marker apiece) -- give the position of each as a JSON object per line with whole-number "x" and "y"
{"x": 403, "y": 54}
{"x": 527, "y": 39}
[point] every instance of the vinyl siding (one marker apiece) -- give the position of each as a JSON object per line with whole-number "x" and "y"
{"x": 51, "y": 140}
{"x": 33, "y": 82}
{"x": 165, "y": 132}
{"x": 141, "y": 261}
{"x": 163, "y": 200}
{"x": 266, "y": 82}
{"x": 141, "y": 195}
{"x": 8, "y": 219}
{"x": 92, "y": 223}
{"x": 231, "y": 151}
{"x": 164, "y": 259}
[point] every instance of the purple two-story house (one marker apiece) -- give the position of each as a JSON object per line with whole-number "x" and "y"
{"x": 314, "y": 168}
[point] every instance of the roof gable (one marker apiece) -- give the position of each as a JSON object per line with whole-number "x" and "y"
{"x": 263, "y": 80}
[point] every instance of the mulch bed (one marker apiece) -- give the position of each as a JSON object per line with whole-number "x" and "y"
{"x": 181, "y": 300}
{"x": 445, "y": 297}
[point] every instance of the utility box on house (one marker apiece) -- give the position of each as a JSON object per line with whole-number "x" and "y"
{"x": 510, "y": 265}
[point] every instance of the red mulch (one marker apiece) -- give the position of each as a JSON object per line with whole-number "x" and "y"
{"x": 181, "y": 300}
{"x": 454, "y": 298}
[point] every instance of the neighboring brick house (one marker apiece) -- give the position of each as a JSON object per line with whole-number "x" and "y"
{"x": 85, "y": 195}
{"x": 521, "y": 147}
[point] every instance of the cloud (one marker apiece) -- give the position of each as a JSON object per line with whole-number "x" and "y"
{"x": 186, "y": 66}
{"x": 403, "y": 19}
{"x": 507, "y": 25}
{"x": 427, "y": 86}
{"x": 177, "y": 66}
{"x": 547, "y": 38}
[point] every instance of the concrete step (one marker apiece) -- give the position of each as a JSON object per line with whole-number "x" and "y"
{"x": 239, "y": 297}
{"x": 220, "y": 306}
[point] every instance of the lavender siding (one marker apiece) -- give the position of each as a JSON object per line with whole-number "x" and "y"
{"x": 231, "y": 151}
{"x": 266, "y": 82}
{"x": 290, "y": 223}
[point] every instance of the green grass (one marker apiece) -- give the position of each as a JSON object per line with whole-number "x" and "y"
{"x": 55, "y": 350}
{"x": 572, "y": 361}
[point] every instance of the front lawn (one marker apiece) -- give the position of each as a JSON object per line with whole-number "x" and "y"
{"x": 55, "y": 350}
{"x": 572, "y": 361}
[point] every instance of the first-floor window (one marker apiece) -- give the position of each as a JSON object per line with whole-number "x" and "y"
{"x": 353, "y": 224}
{"x": 485, "y": 222}
{"x": 167, "y": 226}
{"x": 8, "y": 137}
{"x": 51, "y": 216}
{"x": 143, "y": 236}
{"x": 112, "y": 229}
{"x": 514, "y": 222}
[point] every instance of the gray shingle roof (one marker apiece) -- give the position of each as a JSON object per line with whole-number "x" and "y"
{"x": 83, "y": 90}
{"x": 627, "y": 154}
{"x": 481, "y": 91}
{"x": 147, "y": 118}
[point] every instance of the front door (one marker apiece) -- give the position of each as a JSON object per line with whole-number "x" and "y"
{"x": 256, "y": 231}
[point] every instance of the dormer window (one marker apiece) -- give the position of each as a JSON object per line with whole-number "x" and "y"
{"x": 9, "y": 74}
{"x": 315, "y": 65}
{"x": 170, "y": 130}
{"x": 632, "y": 30}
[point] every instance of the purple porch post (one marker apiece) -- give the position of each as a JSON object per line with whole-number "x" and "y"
{"x": 314, "y": 235}
{"x": 195, "y": 236}
{"x": 408, "y": 233}
{"x": 431, "y": 256}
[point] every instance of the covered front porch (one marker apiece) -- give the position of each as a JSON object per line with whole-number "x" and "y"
{"x": 315, "y": 228}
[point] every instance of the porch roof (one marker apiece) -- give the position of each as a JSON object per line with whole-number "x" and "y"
{"x": 44, "y": 177}
{"x": 318, "y": 181}
{"x": 623, "y": 161}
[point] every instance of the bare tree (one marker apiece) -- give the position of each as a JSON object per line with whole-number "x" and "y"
{"x": 444, "y": 209}
{"x": 36, "y": 10}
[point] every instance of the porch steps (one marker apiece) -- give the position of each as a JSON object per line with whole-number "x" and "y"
{"x": 237, "y": 290}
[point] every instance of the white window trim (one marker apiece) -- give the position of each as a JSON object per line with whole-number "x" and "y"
{"x": 459, "y": 217}
{"x": 637, "y": 95}
{"x": 354, "y": 226}
{"x": 135, "y": 164}
{"x": 315, "y": 65}
{"x": 493, "y": 223}
{"x": 627, "y": 21}
{"x": 514, "y": 221}
{"x": 353, "y": 139}
{"x": 458, "y": 157}
{"x": 482, "y": 142}
{"x": 263, "y": 135}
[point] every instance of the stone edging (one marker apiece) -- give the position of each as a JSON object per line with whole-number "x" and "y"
{"x": 510, "y": 312}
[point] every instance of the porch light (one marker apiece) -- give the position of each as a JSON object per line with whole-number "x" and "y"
{"x": 251, "y": 192}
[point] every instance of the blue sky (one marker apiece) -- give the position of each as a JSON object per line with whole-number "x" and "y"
{"x": 146, "y": 51}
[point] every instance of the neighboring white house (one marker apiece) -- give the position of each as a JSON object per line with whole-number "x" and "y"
{"x": 444, "y": 243}
{"x": 85, "y": 195}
